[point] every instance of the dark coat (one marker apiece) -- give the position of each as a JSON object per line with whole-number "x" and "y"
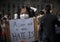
{"x": 48, "y": 24}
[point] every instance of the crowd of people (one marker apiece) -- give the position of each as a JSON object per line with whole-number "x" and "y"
{"x": 46, "y": 23}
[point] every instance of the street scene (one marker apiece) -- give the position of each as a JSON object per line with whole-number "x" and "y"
{"x": 29, "y": 20}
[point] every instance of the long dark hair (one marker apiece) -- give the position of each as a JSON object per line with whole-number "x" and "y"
{"x": 27, "y": 9}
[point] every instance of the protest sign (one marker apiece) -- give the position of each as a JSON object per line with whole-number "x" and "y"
{"x": 22, "y": 30}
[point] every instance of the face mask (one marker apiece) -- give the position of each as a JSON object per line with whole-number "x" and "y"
{"x": 24, "y": 16}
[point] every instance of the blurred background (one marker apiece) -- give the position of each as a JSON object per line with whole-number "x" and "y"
{"x": 11, "y": 7}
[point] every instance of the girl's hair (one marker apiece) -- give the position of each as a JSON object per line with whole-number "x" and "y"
{"x": 27, "y": 9}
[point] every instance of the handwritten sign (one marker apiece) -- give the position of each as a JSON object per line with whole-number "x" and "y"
{"x": 22, "y": 30}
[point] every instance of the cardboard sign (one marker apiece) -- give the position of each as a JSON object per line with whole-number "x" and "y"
{"x": 22, "y": 30}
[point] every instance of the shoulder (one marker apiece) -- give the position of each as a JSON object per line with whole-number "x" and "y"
{"x": 54, "y": 16}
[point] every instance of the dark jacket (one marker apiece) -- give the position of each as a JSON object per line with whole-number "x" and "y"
{"x": 48, "y": 22}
